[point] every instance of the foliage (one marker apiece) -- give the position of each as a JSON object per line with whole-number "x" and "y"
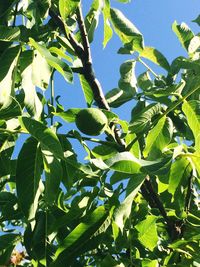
{"x": 134, "y": 199}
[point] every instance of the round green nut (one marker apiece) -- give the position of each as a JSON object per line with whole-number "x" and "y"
{"x": 91, "y": 121}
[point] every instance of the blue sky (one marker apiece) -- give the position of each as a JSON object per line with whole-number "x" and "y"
{"x": 154, "y": 19}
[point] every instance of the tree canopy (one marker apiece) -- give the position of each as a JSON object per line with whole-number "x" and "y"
{"x": 133, "y": 198}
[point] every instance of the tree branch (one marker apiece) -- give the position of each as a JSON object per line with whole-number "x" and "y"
{"x": 84, "y": 36}
{"x": 58, "y": 21}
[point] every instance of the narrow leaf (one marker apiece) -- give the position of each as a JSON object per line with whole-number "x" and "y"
{"x": 79, "y": 236}
{"x": 32, "y": 101}
{"x": 7, "y": 75}
{"x": 53, "y": 175}
{"x": 192, "y": 112}
{"x": 177, "y": 172}
{"x": 107, "y": 27}
{"x": 28, "y": 174}
{"x": 86, "y": 90}
{"x": 9, "y": 34}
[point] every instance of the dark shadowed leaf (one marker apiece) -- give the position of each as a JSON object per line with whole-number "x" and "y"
{"x": 28, "y": 175}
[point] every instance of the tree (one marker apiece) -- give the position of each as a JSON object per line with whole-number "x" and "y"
{"x": 134, "y": 201}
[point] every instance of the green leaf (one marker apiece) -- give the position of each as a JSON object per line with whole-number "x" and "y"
{"x": 155, "y": 56}
{"x": 183, "y": 33}
{"x": 92, "y": 19}
{"x": 89, "y": 97}
{"x": 142, "y": 120}
{"x": 107, "y": 27}
{"x": 159, "y": 137}
{"x": 192, "y": 113}
{"x": 44, "y": 135}
{"x": 54, "y": 62}
{"x": 12, "y": 110}
{"x": 68, "y": 115}
{"x": 194, "y": 44}
{"x": 6, "y": 6}
{"x": 184, "y": 63}
{"x": 124, "y": 162}
{"x": 123, "y": 211}
{"x": 177, "y": 172}
{"x": 8, "y": 61}
{"x": 9, "y": 34}
{"x": 8, "y": 240}
{"x": 6, "y": 150}
{"x": 149, "y": 263}
{"x": 127, "y": 85}
{"x": 126, "y": 31}
{"x": 53, "y": 176}
{"x": 32, "y": 101}
{"x": 28, "y": 175}
{"x": 40, "y": 78}
{"x": 79, "y": 236}
{"x": 103, "y": 151}
{"x": 197, "y": 20}
{"x": 67, "y": 8}
{"x": 147, "y": 232}
{"x": 144, "y": 81}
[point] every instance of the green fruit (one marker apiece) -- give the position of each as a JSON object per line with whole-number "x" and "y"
{"x": 91, "y": 121}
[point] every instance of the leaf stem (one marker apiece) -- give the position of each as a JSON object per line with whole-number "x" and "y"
{"x": 148, "y": 68}
{"x": 52, "y": 94}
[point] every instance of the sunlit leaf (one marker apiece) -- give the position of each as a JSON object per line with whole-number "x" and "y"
{"x": 79, "y": 236}
{"x": 89, "y": 97}
{"x": 53, "y": 61}
{"x": 124, "y": 162}
{"x": 107, "y": 27}
{"x": 178, "y": 169}
{"x": 147, "y": 232}
{"x": 194, "y": 44}
{"x": 32, "y": 101}
{"x": 192, "y": 112}
{"x": 69, "y": 115}
{"x": 44, "y": 135}
{"x": 67, "y": 7}
{"x": 7, "y": 74}
{"x": 126, "y": 31}
{"x": 183, "y": 33}
{"x": 155, "y": 56}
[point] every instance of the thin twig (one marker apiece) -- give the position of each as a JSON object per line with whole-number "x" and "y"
{"x": 52, "y": 94}
{"x": 189, "y": 193}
